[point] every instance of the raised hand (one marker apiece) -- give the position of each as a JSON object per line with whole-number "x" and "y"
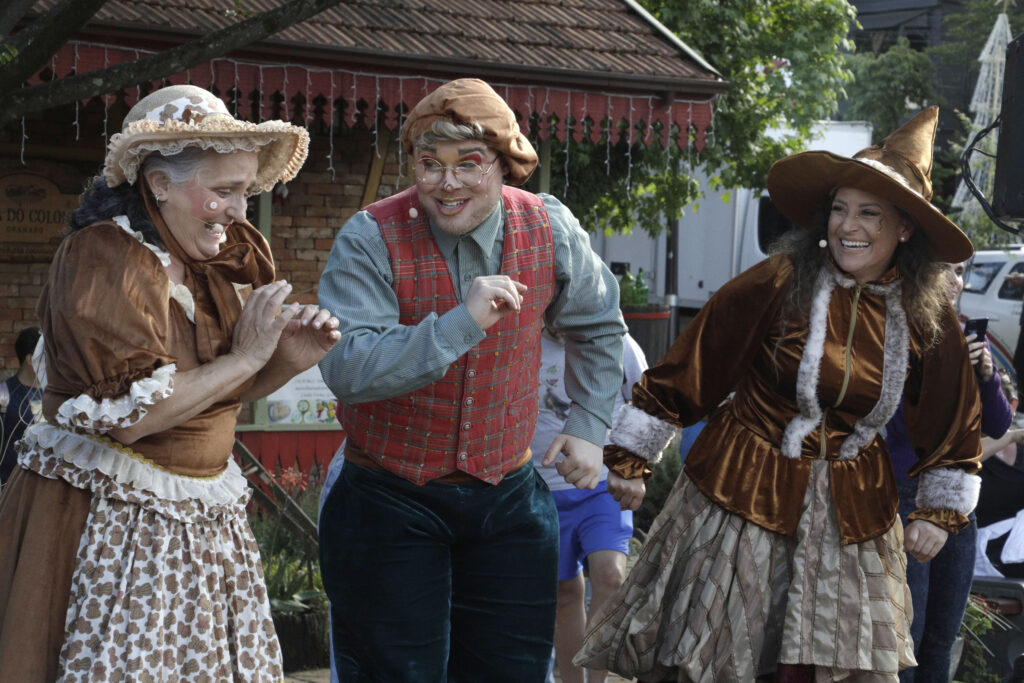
{"x": 262, "y": 321}
{"x": 308, "y": 337}
{"x": 981, "y": 357}
{"x": 491, "y": 297}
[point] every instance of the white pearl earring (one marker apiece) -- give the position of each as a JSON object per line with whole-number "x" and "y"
{"x": 822, "y": 244}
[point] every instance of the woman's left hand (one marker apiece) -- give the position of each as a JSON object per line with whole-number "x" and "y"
{"x": 308, "y": 337}
{"x": 923, "y": 540}
{"x": 981, "y": 357}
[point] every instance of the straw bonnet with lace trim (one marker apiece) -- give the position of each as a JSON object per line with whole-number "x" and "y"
{"x": 180, "y": 116}
{"x": 899, "y": 171}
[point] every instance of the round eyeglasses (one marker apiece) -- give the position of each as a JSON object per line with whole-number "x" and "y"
{"x": 468, "y": 173}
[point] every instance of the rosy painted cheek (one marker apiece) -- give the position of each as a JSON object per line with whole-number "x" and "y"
{"x": 202, "y": 204}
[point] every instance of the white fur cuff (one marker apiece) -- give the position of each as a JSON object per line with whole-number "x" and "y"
{"x": 946, "y": 488}
{"x": 641, "y": 434}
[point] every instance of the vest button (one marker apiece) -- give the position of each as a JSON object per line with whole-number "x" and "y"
{"x": 466, "y": 426}
{"x": 471, "y": 373}
{"x": 469, "y": 401}
{"x": 463, "y": 455}
{"x": 413, "y": 213}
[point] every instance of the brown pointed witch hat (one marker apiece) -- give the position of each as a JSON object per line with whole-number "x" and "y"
{"x": 899, "y": 171}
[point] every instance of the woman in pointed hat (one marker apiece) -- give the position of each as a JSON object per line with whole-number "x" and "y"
{"x": 779, "y": 552}
{"x": 126, "y": 554}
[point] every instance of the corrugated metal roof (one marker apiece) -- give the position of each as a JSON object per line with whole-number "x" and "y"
{"x": 606, "y": 37}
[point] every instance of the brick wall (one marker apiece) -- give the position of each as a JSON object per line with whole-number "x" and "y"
{"x": 318, "y": 204}
{"x": 20, "y": 285}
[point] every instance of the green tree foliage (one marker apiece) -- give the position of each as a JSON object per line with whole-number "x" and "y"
{"x": 783, "y": 62}
{"x": 616, "y": 186}
{"x": 888, "y": 85}
{"x": 784, "y": 65}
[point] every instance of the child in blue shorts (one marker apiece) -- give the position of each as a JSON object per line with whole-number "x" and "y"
{"x": 595, "y": 532}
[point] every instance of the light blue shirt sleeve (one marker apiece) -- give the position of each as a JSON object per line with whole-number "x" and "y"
{"x": 586, "y": 310}
{"x": 376, "y": 357}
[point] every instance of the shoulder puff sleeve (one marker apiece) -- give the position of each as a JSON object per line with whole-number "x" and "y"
{"x": 704, "y": 365}
{"x": 943, "y": 415}
{"x": 104, "y": 313}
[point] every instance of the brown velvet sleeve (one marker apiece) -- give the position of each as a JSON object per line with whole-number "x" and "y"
{"x": 950, "y": 520}
{"x": 942, "y": 407}
{"x": 716, "y": 349}
{"x": 623, "y": 463}
{"x": 103, "y": 313}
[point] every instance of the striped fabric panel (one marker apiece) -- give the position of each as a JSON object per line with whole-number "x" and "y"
{"x": 714, "y": 597}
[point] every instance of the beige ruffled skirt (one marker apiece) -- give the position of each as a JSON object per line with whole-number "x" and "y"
{"x": 714, "y": 597}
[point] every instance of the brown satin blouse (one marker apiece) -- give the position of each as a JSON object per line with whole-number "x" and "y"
{"x": 737, "y": 343}
{"x": 108, "y": 320}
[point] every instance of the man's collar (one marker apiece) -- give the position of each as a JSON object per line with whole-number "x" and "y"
{"x": 484, "y": 234}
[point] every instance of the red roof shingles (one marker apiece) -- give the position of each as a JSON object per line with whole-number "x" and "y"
{"x": 604, "y": 36}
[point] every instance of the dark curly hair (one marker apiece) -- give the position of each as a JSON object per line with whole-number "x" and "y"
{"x": 101, "y": 203}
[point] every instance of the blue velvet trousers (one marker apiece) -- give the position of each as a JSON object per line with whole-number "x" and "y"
{"x": 441, "y": 582}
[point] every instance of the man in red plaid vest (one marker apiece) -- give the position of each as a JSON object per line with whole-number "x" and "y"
{"x": 439, "y": 540}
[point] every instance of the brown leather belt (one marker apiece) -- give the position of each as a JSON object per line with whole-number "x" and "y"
{"x": 357, "y": 456}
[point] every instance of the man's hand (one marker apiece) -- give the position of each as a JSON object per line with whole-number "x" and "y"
{"x": 583, "y": 460}
{"x": 491, "y": 297}
{"x": 629, "y": 492}
{"x": 924, "y": 540}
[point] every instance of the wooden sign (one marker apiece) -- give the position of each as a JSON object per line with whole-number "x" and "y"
{"x": 33, "y": 213}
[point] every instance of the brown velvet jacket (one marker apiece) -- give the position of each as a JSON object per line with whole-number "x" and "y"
{"x": 737, "y": 343}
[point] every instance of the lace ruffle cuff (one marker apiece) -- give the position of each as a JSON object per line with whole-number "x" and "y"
{"x": 85, "y": 413}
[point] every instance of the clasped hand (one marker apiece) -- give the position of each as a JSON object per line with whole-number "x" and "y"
{"x": 923, "y": 540}
{"x": 299, "y": 335}
{"x": 583, "y": 460}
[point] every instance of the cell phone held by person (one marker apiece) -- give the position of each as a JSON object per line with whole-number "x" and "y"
{"x": 976, "y": 326}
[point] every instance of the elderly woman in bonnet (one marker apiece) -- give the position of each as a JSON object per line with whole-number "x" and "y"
{"x": 779, "y": 553}
{"x": 127, "y": 555}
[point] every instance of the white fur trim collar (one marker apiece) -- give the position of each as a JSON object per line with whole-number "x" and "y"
{"x": 894, "y": 366}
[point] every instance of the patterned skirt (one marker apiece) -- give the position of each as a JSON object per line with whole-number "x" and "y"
{"x": 714, "y": 597}
{"x": 166, "y": 584}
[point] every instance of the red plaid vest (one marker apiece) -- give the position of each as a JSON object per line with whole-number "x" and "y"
{"x": 478, "y": 418}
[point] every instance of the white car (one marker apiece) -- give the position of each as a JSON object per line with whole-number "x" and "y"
{"x": 987, "y": 295}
